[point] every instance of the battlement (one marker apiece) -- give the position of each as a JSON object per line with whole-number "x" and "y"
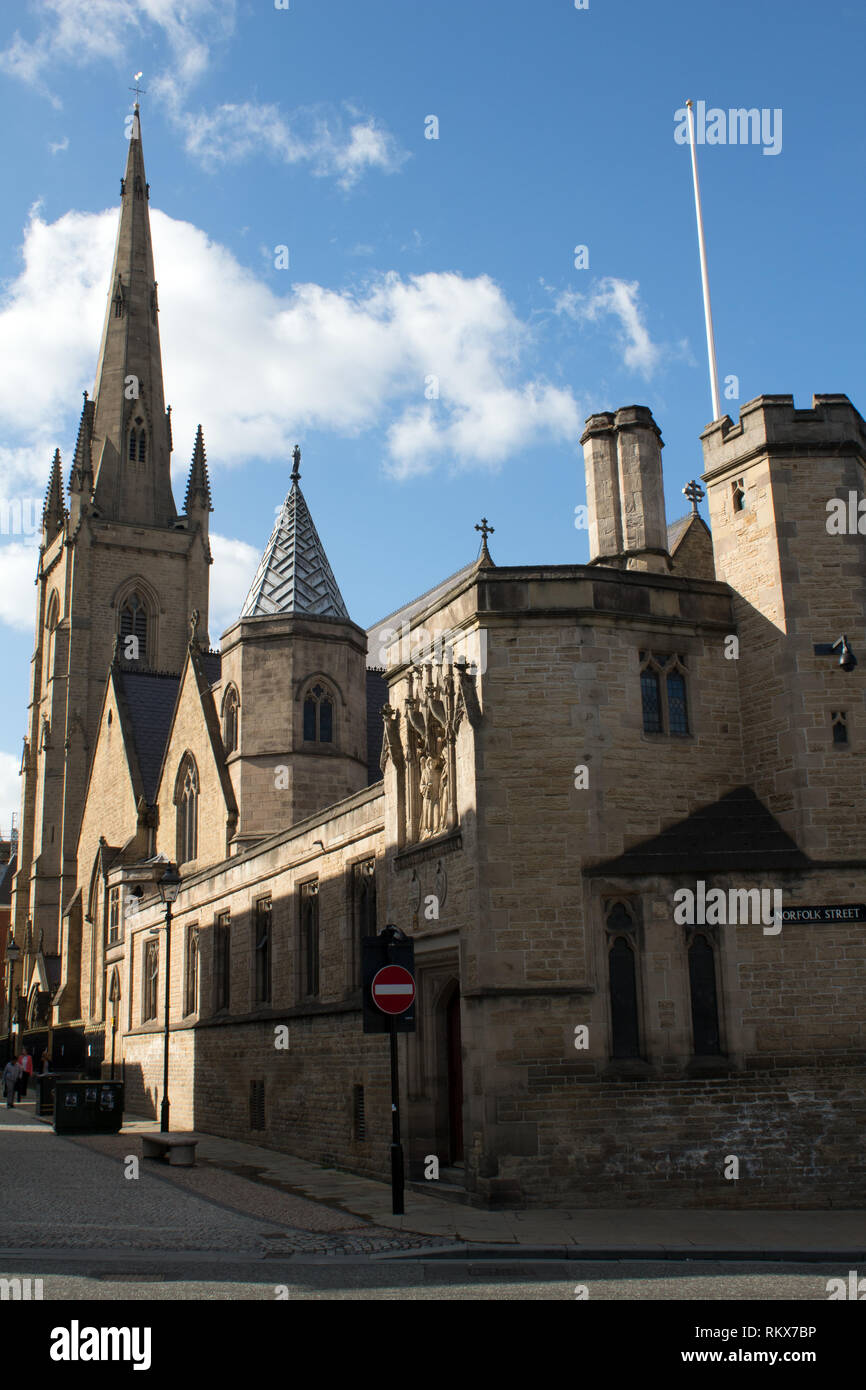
{"x": 772, "y": 425}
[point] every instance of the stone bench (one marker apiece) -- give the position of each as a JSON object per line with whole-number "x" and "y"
{"x": 177, "y": 1148}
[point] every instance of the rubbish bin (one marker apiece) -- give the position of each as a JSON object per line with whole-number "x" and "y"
{"x": 45, "y": 1087}
{"x": 88, "y": 1107}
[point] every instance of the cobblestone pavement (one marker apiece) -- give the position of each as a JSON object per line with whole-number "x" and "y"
{"x": 72, "y": 1192}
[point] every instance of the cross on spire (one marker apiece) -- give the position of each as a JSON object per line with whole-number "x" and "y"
{"x": 486, "y": 530}
{"x": 694, "y": 492}
{"x": 139, "y": 91}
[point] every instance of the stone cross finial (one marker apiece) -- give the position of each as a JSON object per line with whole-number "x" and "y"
{"x": 486, "y": 530}
{"x": 296, "y": 461}
{"x": 694, "y": 492}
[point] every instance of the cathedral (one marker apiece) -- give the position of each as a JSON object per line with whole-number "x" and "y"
{"x": 529, "y": 769}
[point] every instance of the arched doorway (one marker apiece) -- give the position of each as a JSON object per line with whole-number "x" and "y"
{"x": 454, "y": 1052}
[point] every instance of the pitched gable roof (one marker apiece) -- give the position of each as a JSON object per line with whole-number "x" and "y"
{"x": 149, "y": 700}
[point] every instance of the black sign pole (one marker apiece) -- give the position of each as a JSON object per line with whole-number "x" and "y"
{"x": 396, "y": 1146}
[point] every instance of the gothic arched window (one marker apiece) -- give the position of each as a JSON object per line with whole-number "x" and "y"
{"x": 186, "y": 800}
{"x": 319, "y": 715}
{"x": 51, "y": 621}
{"x": 705, "y": 1005}
{"x": 622, "y": 981}
{"x": 663, "y": 694}
{"x": 142, "y": 445}
{"x": 192, "y": 969}
{"x": 651, "y": 700}
{"x": 678, "y": 715}
{"x": 133, "y": 624}
{"x": 230, "y": 720}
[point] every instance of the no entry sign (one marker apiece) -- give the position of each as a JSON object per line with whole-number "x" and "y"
{"x": 393, "y": 989}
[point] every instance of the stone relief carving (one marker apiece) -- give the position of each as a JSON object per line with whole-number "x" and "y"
{"x": 420, "y": 741}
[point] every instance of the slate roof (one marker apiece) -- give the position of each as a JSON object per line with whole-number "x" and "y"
{"x": 676, "y": 531}
{"x": 408, "y": 611}
{"x": 7, "y": 872}
{"x": 377, "y": 696}
{"x": 211, "y": 665}
{"x": 150, "y": 700}
{"x": 735, "y": 833}
{"x": 294, "y": 575}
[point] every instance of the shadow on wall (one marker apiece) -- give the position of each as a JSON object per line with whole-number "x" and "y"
{"x": 139, "y": 1099}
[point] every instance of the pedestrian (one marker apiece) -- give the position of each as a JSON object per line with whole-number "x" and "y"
{"x": 10, "y": 1081}
{"x": 25, "y": 1062}
{"x": 46, "y": 1062}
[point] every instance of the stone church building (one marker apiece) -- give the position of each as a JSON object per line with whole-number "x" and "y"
{"x": 529, "y": 769}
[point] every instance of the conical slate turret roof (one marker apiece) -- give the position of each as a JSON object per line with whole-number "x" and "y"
{"x": 294, "y": 575}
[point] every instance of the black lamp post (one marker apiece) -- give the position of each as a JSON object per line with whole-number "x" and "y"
{"x": 13, "y": 953}
{"x": 169, "y": 887}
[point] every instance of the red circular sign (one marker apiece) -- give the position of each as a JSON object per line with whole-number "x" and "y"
{"x": 393, "y": 989}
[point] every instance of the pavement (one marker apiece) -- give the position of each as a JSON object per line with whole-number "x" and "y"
{"x": 282, "y": 1206}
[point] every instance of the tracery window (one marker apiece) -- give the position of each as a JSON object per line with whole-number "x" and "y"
{"x": 319, "y": 714}
{"x": 133, "y": 625}
{"x": 151, "y": 980}
{"x": 192, "y": 969}
{"x": 186, "y": 800}
{"x": 622, "y": 983}
{"x": 664, "y": 700}
{"x": 230, "y": 720}
{"x": 705, "y": 1005}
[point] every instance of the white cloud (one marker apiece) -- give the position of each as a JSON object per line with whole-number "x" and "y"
{"x": 89, "y": 31}
{"x": 18, "y": 561}
{"x": 258, "y": 367}
{"x": 58, "y": 146}
{"x": 10, "y": 789}
{"x": 234, "y": 566}
{"x": 233, "y": 131}
{"x": 85, "y": 32}
{"x": 619, "y": 298}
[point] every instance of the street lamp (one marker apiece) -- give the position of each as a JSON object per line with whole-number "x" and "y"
{"x": 13, "y": 952}
{"x": 169, "y": 887}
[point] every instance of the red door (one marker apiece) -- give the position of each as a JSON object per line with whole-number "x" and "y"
{"x": 455, "y": 1079}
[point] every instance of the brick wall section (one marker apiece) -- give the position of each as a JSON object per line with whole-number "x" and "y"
{"x": 797, "y": 1132}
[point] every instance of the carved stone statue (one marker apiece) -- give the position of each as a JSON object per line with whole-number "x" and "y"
{"x": 431, "y": 777}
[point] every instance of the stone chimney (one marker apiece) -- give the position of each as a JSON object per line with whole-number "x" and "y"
{"x": 625, "y": 491}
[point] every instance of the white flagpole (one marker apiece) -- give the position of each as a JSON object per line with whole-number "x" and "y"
{"x": 705, "y": 281}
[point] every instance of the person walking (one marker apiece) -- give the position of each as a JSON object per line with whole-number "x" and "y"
{"x": 25, "y": 1062}
{"x": 11, "y": 1072}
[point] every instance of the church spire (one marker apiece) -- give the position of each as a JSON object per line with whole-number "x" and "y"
{"x": 54, "y": 512}
{"x": 294, "y": 575}
{"x": 198, "y": 486}
{"x": 131, "y": 444}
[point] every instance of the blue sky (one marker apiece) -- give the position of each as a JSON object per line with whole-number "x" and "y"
{"x": 414, "y": 258}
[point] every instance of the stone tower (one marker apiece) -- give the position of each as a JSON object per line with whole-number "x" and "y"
{"x": 293, "y": 689}
{"x": 119, "y": 569}
{"x": 625, "y": 491}
{"x": 799, "y": 581}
